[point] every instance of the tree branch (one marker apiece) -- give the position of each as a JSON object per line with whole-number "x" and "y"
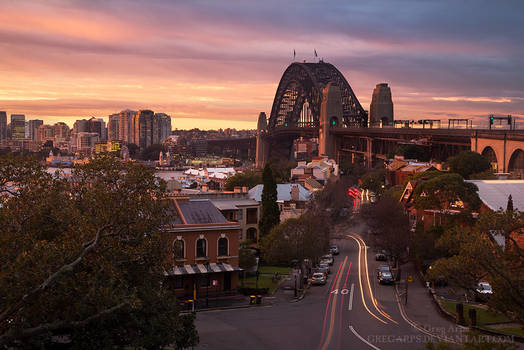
{"x": 51, "y": 279}
{"x": 46, "y": 327}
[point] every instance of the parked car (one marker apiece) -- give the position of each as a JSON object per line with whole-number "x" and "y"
{"x": 325, "y": 266}
{"x": 380, "y": 257}
{"x": 334, "y": 249}
{"x": 483, "y": 291}
{"x": 318, "y": 278}
{"x": 385, "y": 277}
{"x": 384, "y": 268}
{"x": 328, "y": 258}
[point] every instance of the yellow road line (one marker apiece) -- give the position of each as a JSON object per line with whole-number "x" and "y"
{"x": 334, "y": 308}
{"x": 360, "y": 282}
{"x": 383, "y": 313}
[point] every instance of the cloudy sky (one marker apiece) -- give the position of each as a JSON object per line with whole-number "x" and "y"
{"x": 217, "y": 63}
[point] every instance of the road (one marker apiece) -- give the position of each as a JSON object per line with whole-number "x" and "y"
{"x": 352, "y": 311}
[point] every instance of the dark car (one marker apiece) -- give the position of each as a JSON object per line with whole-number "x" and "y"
{"x": 380, "y": 257}
{"x": 385, "y": 277}
{"x": 334, "y": 249}
{"x": 483, "y": 291}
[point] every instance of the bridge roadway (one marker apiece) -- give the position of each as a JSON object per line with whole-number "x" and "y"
{"x": 352, "y": 311}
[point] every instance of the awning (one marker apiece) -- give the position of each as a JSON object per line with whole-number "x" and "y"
{"x": 195, "y": 269}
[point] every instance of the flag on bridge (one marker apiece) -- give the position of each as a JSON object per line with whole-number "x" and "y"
{"x": 294, "y": 54}
{"x": 315, "y": 52}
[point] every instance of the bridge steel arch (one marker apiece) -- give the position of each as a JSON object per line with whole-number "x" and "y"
{"x": 303, "y": 82}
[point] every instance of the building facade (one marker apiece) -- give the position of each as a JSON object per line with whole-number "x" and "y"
{"x": 17, "y": 126}
{"x": 202, "y": 248}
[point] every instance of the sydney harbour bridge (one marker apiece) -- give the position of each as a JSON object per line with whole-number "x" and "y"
{"x": 314, "y": 100}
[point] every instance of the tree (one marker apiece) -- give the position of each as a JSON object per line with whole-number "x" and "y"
{"x": 509, "y": 206}
{"x": 270, "y": 212}
{"x": 83, "y": 257}
{"x": 467, "y": 163}
{"x": 249, "y": 179}
{"x": 389, "y": 225}
{"x": 474, "y": 254}
{"x": 332, "y": 199}
{"x": 152, "y": 152}
{"x": 374, "y": 181}
{"x": 296, "y": 239}
{"x": 446, "y": 190}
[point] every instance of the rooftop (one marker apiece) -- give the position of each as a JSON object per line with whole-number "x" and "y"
{"x": 495, "y": 193}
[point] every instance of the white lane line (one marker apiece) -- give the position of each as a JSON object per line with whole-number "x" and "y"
{"x": 350, "y": 307}
{"x": 360, "y": 337}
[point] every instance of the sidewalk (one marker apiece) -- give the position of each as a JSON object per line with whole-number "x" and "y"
{"x": 222, "y": 303}
{"x": 421, "y": 309}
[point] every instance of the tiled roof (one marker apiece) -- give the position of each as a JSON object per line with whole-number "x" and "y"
{"x": 199, "y": 211}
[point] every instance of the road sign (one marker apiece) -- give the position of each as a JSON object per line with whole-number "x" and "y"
{"x": 410, "y": 278}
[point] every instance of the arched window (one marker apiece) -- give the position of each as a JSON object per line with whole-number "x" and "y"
{"x": 222, "y": 246}
{"x": 178, "y": 249}
{"x": 201, "y": 248}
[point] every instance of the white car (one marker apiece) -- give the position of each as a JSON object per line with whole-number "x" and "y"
{"x": 483, "y": 291}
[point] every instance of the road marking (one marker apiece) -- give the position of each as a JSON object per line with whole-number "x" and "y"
{"x": 350, "y": 307}
{"x": 360, "y": 282}
{"x": 373, "y": 300}
{"x": 360, "y": 337}
{"x": 333, "y": 310}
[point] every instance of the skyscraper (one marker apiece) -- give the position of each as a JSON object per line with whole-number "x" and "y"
{"x": 164, "y": 126}
{"x": 125, "y": 126}
{"x": 81, "y": 125}
{"x": 3, "y": 125}
{"x": 98, "y": 125}
{"x": 17, "y": 126}
{"x": 381, "y": 108}
{"x": 61, "y": 132}
{"x": 33, "y": 127}
{"x": 143, "y": 128}
{"x": 113, "y": 127}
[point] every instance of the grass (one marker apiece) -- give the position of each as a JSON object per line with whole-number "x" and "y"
{"x": 483, "y": 316}
{"x": 512, "y": 331}
{"x": 272, "y": 269}
{"x": 263, "y": 282}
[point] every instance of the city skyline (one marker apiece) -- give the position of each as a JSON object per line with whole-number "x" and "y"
{"x": 216, "y": 66}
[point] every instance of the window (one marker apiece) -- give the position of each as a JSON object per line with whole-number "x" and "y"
{"x": 179, "y": 282}
{"x": 201, "y": 248}
{"x": 204, "y": 281}
{"x": 178, "y": 249}
{"x": 222, "y": 246}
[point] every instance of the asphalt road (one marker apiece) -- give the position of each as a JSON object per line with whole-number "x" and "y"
{"x": 352, "y": 311}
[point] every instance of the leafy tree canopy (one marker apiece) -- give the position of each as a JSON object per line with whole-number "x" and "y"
{"x": 152, "y": 152}
{"x": 270, "y": 212}
{"x": 248, "y": 178}
{"x": 445, "y": 191}
{"x": 82, "y": 257}
{"x": 475, "y": 255}
{"x": 467, "y": 163}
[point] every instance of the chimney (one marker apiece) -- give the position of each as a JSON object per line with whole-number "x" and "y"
{"x": 295, "y": 193}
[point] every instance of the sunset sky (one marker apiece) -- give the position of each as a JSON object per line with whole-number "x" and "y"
{"x": 212, "y": 64}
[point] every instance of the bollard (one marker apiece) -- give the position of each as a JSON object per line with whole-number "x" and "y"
{"x": 472, "y": 316}
{"x": 460, "y": 314}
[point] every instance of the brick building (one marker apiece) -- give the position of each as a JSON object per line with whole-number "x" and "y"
{"x": 202, "y": 248}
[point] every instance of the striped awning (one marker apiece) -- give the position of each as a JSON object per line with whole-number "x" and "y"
{"x": 194, "y": 269}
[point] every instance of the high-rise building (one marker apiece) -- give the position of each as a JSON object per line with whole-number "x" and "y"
{"x": 81, "y": 125}
{"x": 98, "y": 125}
{"x": 3, "y": 125}
{"x": 125, "y": 126}
{"x": 32, "y": 126}
{"x": 61, "y": 132}
{"x": 381, "y": 108}
{"x": 85, "y": 141}
{"x": 113, "y": 127}
{"x": 17, "y": 126}
{"x": 143, "y": 128}
{"x": 164, "y": 126}
{"x": 45, "y": 133}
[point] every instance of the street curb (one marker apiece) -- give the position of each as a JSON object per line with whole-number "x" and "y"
{"x": 228, "y": 308}
{"x": 452, "y": 317}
